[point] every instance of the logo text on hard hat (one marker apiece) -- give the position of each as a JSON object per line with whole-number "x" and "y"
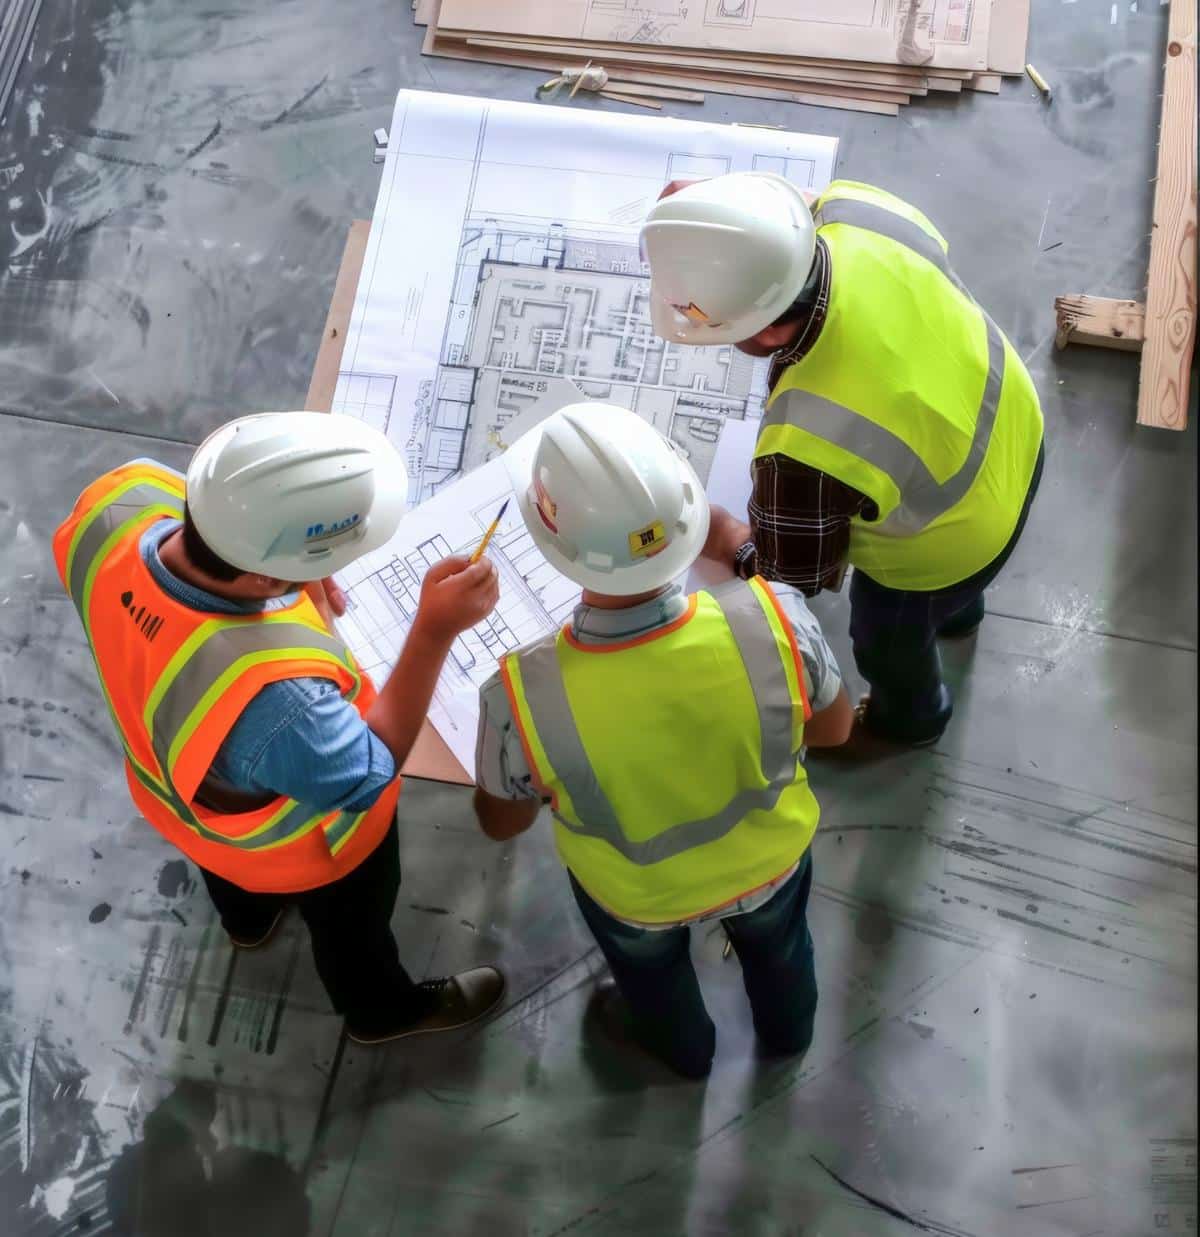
{"x": 693, "y": 313}
{"x": 322, "y": 532}
{"x": 649, "y": 541}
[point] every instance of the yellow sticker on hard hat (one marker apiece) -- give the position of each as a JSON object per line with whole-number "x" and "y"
{"x": 693, "y": 313}
{"x": 648, "y": 541}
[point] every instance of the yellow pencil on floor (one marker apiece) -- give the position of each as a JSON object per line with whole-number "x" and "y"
{"x": 495, "y": 524}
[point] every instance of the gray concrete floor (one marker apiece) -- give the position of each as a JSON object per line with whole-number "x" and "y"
{"x": 1006, "y": 926}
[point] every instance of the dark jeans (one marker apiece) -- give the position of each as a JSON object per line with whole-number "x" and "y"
{"x": 894, "y": 635}
{"x": 654, "y": 973}
{"x": 351, "y": 929}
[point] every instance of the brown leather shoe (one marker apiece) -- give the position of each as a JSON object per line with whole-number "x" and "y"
{"x": 458, "y": 1000}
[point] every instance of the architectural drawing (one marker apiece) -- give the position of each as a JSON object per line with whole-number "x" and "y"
{"x": 383, "y": 590}
{"x": 519, "y": 278}
{"x": 502, "y": 278}
{"x": 539, "y": 305}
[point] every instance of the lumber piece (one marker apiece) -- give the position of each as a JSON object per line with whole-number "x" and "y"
{"x": 668, "y": 51}
{"x": 636, "y": 100}
{"x": 1100, "y": 321}
{"x": 337, "y": 321}
{"x": 616, "y": 67}
{"x": 717, "y": 85}
{"x": 1171, "y": 289}
{"x": 760, "y": 66}
{"x": 987, "y": 83}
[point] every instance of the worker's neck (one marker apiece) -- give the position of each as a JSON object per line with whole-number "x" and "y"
{"x": 603, "y": 601}
{"x": 247, "y": 587}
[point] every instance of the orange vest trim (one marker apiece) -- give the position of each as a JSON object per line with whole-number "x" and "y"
{"x": 767, "y": 593}
{"x": 176, "y": 680}
{"x": 618, "y": 646}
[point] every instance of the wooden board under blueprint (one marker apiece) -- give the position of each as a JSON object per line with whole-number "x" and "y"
{"x": 949, "y": 33}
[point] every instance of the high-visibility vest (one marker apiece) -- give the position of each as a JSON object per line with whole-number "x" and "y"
{"x": 911, "y": 395}
{"x": 177, "y": 679}
{"x": 671, "y": 760}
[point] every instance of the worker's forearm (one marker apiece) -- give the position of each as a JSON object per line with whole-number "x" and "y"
{"x": 397, "y": 714}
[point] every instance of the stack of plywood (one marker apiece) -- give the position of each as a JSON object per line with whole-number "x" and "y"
{"x": 861, "y": 55}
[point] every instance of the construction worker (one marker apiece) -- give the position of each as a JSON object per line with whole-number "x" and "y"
{"x": 253, "y": 740}
{"x": 664, "y": 730}
{"x": 902, "y": 433}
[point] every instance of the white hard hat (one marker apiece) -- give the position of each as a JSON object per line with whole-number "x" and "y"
{"x": 727, "y": 257}
{"x": 295, "y": 495}
{"x": 608, "y": 500}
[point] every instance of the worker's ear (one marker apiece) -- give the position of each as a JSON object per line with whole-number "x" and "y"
{"x": 775, "y": 336}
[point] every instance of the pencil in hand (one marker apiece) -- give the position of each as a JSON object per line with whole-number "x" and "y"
{"x": 495, "y": 524}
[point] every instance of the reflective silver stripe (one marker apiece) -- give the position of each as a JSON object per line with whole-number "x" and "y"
{"x": 165, "y": 794}
{"x": 115, "y": 514}
{"x": 214, "y": 657}
{"x": 546, "y": 695}
{"x": 872, "y": 218}
{"x": 339, "y": 830}
{"x": 289, "y": 824}
{"x": 772, "y": 696}
{"x": 922, "y": 498}
{"x": 546, "y": 699}
{"x": 922, "y": 502}
{"x": 833, "y": 422}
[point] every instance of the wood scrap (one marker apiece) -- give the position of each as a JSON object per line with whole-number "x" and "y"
{"x": 1099, "y": 321}
{"x": 629, "y": 98}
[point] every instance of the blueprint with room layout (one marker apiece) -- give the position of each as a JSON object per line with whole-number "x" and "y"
{"x": 502, "y": 279}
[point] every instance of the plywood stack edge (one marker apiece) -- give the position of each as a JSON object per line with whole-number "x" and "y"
{"x": 879, "y": 86}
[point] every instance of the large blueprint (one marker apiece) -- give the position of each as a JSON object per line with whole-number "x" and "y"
{"x": 502, "y": 279}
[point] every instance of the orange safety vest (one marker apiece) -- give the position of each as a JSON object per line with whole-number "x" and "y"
{"x": 177, "y": 679}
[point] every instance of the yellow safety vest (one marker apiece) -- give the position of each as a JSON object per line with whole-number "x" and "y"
{"x": 670, "y": 761}
{"x": 910, "y": 395}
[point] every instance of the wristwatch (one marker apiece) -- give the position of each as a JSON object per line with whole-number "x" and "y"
{"x": 745, "y": 561}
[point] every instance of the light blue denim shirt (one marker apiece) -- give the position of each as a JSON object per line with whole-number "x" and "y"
{"x": 297, "y": 737}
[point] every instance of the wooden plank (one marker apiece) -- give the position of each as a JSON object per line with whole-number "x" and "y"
{"x": 430, "y": 758}
{"x": 655, "y": 92}
{"x": 1171, "y": 291}
{"x": 617, "y": 67}
{"x": 759, "y": 66}
{"x": 433, "y": 46}
{"x": 1099, "y": 321}
{"x": 337, "y": 321}
{"x": 988, "y": 83}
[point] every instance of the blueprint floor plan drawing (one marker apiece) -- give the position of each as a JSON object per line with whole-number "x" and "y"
{"x": 502, "y": 269}
{"x": 503, "y": 251}
{"x": 383, "y": 589}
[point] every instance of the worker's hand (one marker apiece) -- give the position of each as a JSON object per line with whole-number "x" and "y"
{"x": 674, "y": 186}
{"x": 456, "y": 594}
{"x": 726, "y": 534}
{"x": 329, "y": 599}
{"x": 335, "y": 596}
